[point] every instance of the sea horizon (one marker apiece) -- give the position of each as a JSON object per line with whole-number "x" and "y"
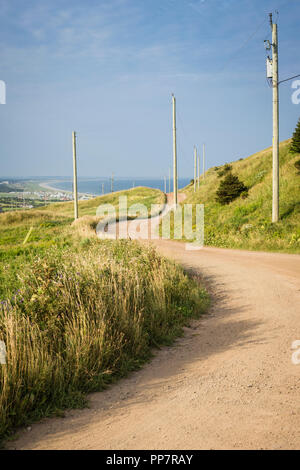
{"x": 98, "y": 186}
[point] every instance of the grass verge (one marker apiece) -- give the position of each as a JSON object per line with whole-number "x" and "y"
{"x": 78, "y": 313}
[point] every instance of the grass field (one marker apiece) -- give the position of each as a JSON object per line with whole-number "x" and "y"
{"x": 246, "y": 223}
{"x": 52, "y": 227}
{"x": 76, "y": 313}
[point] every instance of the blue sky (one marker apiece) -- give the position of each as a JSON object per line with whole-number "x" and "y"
{"x": 107, "y": 69}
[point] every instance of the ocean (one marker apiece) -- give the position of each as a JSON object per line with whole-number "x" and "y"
{"x": 96, "y": 186}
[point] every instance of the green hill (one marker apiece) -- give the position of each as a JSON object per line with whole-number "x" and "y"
{"x": 246, "y": 223}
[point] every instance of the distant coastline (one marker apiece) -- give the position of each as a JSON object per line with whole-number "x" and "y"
{"x": 98, "y": 186}
{"x": 52, "y": 188}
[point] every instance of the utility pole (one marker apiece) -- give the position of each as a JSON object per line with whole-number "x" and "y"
{"x": 112, "y": 183}
{"x": 169, "y": 179}
{"x": 195, "y": 168}
{"x": 165, "y": 183}
{"x": 203, "y": 161}
{"x": 175, "y": 186}
{"x": 275, "y": 202}
{"x": 75, "y": 176}
{"x": 102, "y": 188}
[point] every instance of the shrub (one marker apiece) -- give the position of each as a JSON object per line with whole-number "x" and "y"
{"x": 230, "y": 188}
{"x": 225, "y": 169}
{"x": 295, "y": 146}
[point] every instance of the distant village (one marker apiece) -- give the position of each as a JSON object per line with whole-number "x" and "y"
{"x": 13, "y": 197}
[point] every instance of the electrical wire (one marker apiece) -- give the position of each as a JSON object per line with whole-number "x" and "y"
{"x": 249, "y": 39}
{"x": 243, "y": 45}
{"x": 288, "y": 79}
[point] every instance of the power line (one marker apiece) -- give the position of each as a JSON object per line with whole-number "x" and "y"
{"x": 249, "y": 38}
{"x": 288, "y": 79}
{"x": 243, "y": 45}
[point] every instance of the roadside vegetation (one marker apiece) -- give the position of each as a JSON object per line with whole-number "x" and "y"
{"x": 245, "y": 222}
{"x": 76, "y": 312}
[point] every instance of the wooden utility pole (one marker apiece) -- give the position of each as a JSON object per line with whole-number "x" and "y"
{"x": 175, "y": 185}
{"x": 169, "y": 179}
{"x": 203, "y": 161}
{"x": 75, "y": 176}
{"x": 195, "y": 168}
{"x": 165, "y": 183}
{"x": 275, "y": 202}
{"x": 102, "y": 188}
{"x": 112, "y": 183}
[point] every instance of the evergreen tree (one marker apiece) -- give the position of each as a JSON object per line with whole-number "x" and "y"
{"x": 295, "y": 147}
{"x": 230, "y": 188}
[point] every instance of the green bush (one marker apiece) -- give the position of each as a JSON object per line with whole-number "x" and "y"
{"x": 225, "y": 169}
{"x": 297, "y": 166}
{"x": 295, "y": 145}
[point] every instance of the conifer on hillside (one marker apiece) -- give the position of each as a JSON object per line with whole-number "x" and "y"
{"x": 295, "y": 146}
{"x": 230, "y": 188}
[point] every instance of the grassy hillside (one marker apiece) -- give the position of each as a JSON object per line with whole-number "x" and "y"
{"x": 146, "y": 196}
{"x": 246, "y": 223}
{"x": 77, "y": 312}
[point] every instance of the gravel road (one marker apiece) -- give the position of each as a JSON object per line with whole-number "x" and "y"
{"x": 228, "y": 383}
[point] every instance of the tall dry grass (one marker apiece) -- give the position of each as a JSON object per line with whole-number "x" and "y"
{"x": 79, "y": 320}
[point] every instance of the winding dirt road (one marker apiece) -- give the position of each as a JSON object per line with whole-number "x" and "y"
{"x": 228, "y": 383}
